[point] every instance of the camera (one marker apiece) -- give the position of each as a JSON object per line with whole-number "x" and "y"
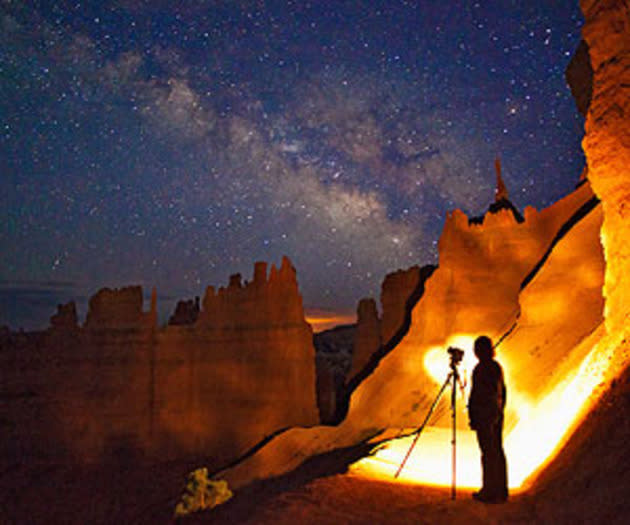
{"x": 457, "y": 354}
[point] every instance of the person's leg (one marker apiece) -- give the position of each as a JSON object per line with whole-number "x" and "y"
{"x": 493, "y": 464}
{"x": 485, "y": 439}
{"x": 501, "y": 482}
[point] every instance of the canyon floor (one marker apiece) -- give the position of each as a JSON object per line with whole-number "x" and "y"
{"x": 588, "y": 482}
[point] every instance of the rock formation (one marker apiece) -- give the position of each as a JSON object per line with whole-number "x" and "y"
{"x": 66, "y": 318}
{"x": 579, "y": 75}
{"x": 117, "y": 309}
{"x": 376, "y": 336}
{"x": 256, "y": 303}
{"x": 501, "y": 192}
{"x": 475, "y": 290}
{"x": 367, "y": 338}
{"x": 397, "y": 290}
{"x": 250, "y": 353}
{"x": 501, "y": 199}
{"x": 186, "y": 312}
{"x": 213, "y": 388}
{"x": 607, "y": 145}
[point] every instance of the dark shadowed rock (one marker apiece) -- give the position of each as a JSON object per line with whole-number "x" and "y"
{"x": 579, "y": 75}
{"x": 66, "y": 317}
{"x": 367, "y": 338}
{"x": 116, "y": 308}
{"x": 186, "y": 312}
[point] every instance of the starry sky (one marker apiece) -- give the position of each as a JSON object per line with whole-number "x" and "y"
{"x": 171, "y": 144}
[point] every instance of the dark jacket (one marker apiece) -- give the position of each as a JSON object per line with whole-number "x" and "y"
{"x": 487, "y": 395}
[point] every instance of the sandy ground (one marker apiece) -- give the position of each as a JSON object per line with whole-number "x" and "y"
{"x": 347, "y": 499}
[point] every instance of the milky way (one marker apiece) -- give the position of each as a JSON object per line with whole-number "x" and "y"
{"x": 172, "y": 146}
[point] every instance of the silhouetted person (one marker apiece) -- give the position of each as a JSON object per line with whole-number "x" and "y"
{"x": 485, "y": 410}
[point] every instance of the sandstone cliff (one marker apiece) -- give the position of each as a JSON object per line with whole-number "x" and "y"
{"x": 243, "y": 371}
{"x": 120, "y": 387}
{"x": 607, "y": 145}
{"x": 476, "y": 289}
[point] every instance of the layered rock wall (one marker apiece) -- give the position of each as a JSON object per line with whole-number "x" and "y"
{"x": 607, "y": 145}
{"x": 83, "y": 391}
{"x": 213, "y": 389}
{"x": 243, "y": 371}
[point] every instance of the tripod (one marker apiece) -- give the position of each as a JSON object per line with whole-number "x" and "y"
{"x": 452, "y": 379}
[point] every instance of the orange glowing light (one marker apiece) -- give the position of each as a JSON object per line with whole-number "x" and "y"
{"x": 321, "y": 320}
{"x": 541, "y": 427}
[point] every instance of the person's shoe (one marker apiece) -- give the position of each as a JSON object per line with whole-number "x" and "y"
{"x": 479, "y": 496}
{"x": 487, "y": 498}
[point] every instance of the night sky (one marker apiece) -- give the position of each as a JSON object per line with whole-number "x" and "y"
{"x": 172, "y": 144}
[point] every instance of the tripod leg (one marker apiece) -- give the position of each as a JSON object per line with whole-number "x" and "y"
{"x": 421, "y": 428}
{"x": 454, "y": 441}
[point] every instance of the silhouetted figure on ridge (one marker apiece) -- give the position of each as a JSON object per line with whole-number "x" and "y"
{"x": 485, "y": 410}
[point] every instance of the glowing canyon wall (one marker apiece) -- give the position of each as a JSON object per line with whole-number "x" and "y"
{"x": 120, "y": 386}
{"x": 607, "y": 145}
{"x": 477, "y": 289}
{"x": 543, "y": 275}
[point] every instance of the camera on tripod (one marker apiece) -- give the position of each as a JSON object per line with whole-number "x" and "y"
{"x": 457, "y": 354}
{"x": 453, "y": 379}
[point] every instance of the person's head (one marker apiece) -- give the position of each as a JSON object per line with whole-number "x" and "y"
{"x": 483, "y": 348}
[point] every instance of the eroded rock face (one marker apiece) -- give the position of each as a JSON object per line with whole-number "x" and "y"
{"x": 475, "y": 290}
{"x": 244, "y": 370}
{"x": 186, "y": 312}
{"x": 115, "y": 308}
{"x": 263, "y": 302}
{"x": 607, "y": 145}
{"x": 208, "y": 389}
{"x": 399, "y": 291}
{"x": 396, "y": 290}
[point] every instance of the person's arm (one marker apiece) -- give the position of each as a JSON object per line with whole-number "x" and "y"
{"x": 503, "y": 391}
